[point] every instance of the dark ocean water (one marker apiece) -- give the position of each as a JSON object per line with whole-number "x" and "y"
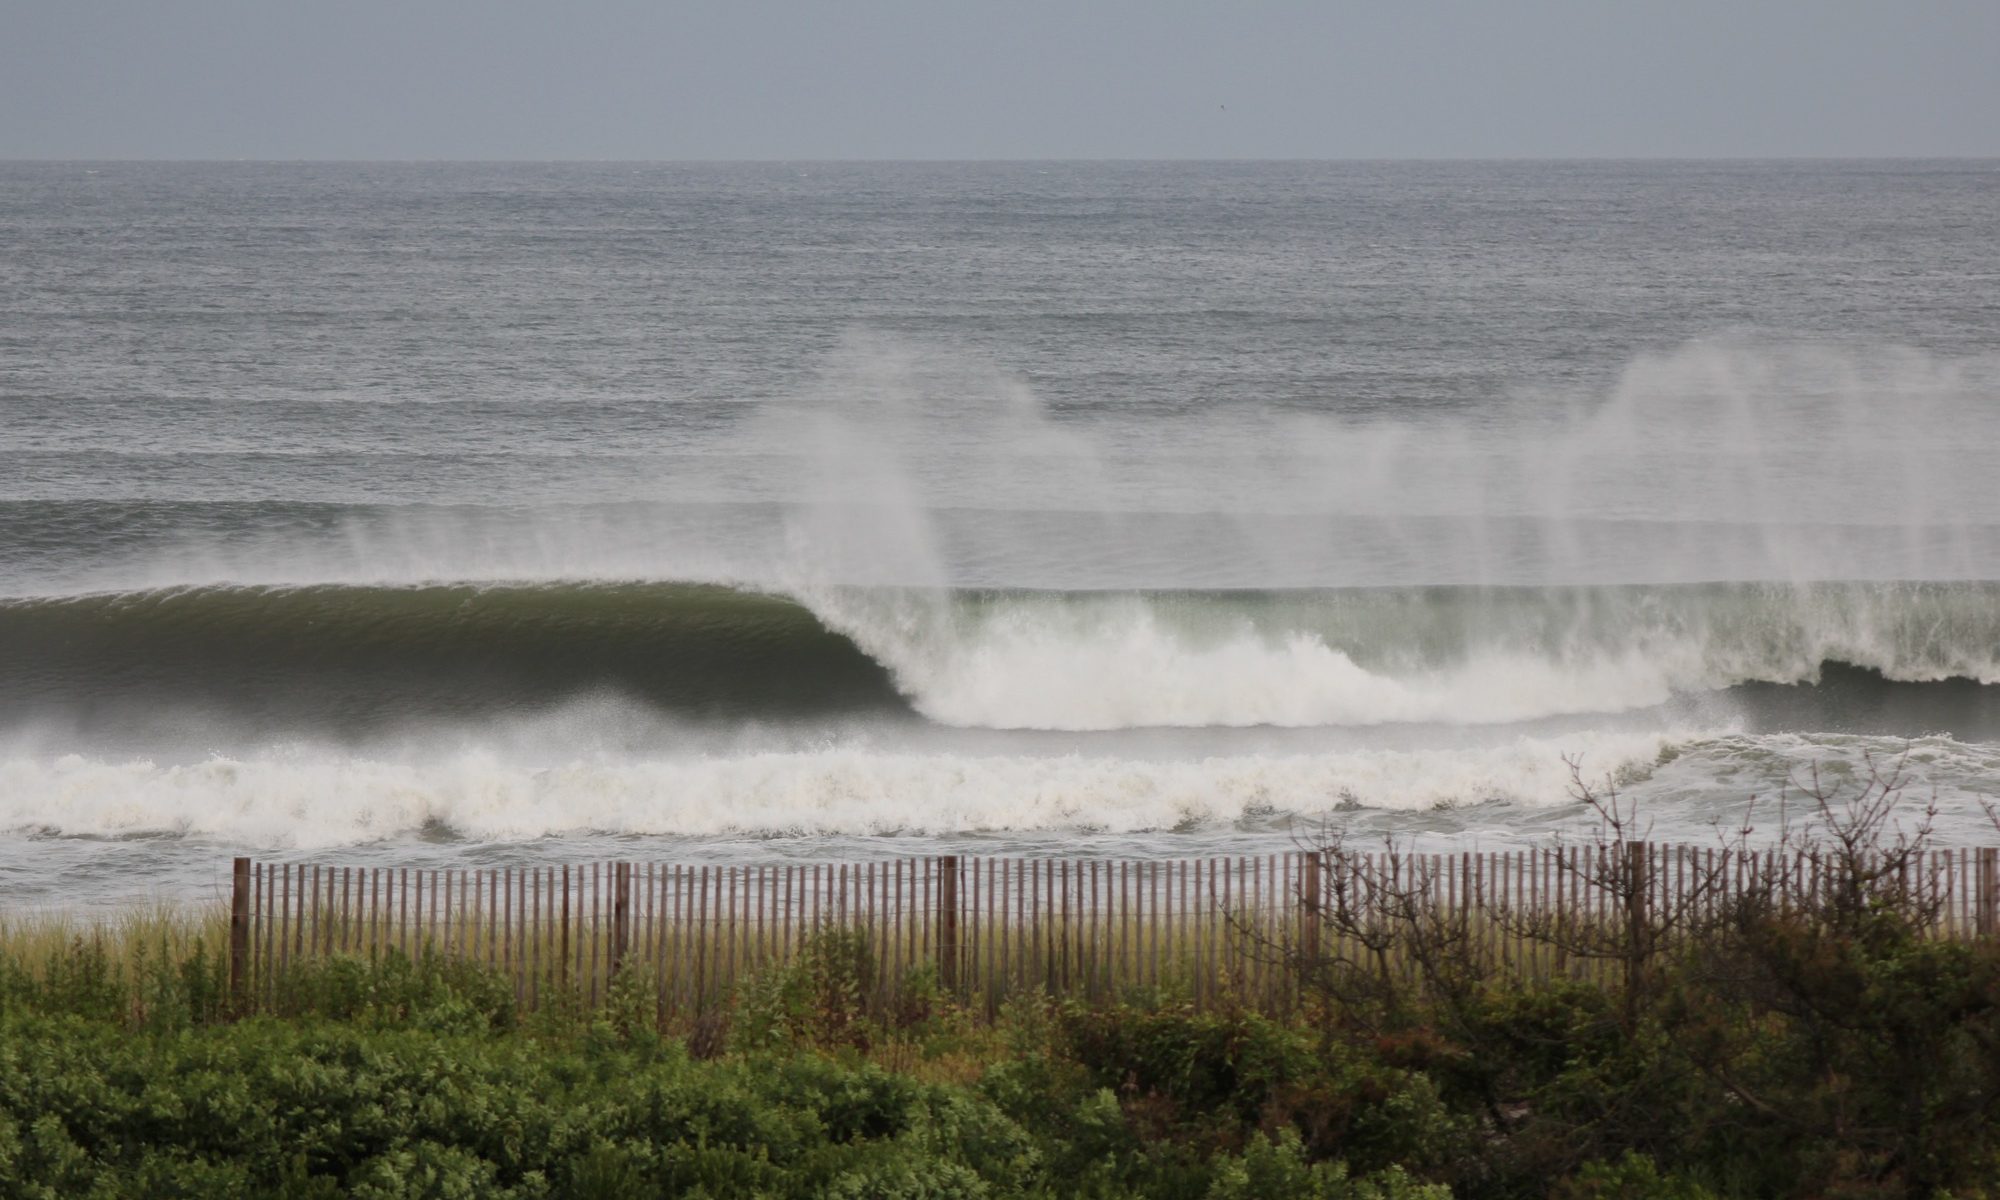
{"x": 496, "y": 513}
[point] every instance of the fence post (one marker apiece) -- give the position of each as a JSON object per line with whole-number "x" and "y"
{"x": 1638, "y": 885}
{"x": 947, "y": 927}
{"x": 621, "y": 913}
{"x": 1987, "y": 918}
{"x": 1639, "y": 881}
{"x": 562, "y": 961}
{"x": 239, "y": 934}
{"x": 1309, "y": 897}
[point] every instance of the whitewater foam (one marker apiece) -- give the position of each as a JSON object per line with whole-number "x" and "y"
{"x": 1435, "y": 656}
{"x": 309, "y": 799}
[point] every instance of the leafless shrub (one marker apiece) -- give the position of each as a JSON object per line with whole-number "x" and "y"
{"x": 1381, "y": 930}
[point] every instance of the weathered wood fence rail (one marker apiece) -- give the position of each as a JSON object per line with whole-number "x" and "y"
{"x": 984, "y": 928}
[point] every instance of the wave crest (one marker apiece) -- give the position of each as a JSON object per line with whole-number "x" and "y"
{"x": 336, "y": 659}
{"x": 1082, "y": 661}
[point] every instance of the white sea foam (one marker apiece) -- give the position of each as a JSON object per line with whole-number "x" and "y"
{"x": 1115, "y": 664}
{"x": 1435, "y": 657}
{"x": 308, "y": 799}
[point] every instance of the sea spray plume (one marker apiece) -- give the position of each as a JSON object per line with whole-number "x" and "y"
{"x": 860, "y": 515}
{"x": 388, "y": 545}
{"x": 901, "y": 463}
{"x": 884, "y": 434}
{"x": 1798, "y": 462}
{"x": 891, "y": 435}
{"x": 1728, "y": 459}
{"x": 863, "y": 518}
{"x": 1848, "y": 463}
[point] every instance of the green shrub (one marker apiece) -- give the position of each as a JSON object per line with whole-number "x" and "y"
{"x": 1632, "y": 1177}
{"x": 817, "y": 998}
{"x": 1278, "y": 1170}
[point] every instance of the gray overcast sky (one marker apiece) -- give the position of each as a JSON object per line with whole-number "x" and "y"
{"x": 937, "y": 79}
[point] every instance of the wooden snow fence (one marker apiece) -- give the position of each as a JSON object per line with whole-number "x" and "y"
{"x": 1243, "y": 930}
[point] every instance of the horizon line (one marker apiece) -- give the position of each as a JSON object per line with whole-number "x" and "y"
{"x": 1067, "y": 160}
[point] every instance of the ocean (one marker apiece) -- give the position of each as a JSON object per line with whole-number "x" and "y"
{"x": 463, "y": 514}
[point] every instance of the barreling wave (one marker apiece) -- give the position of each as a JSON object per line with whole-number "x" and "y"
{"x": 349, "y": 658}
{"x": 346, "y": 659}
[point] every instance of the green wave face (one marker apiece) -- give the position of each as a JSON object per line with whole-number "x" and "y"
{"x": 346, "y": 660}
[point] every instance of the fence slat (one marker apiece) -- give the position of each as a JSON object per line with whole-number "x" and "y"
{"x": 1988, "y": 887}
{"x": 947, "y": 923}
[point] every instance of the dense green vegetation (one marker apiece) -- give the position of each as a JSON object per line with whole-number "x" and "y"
{"x": 1840, "y": 1051}
{"x": 421, "y": 1079}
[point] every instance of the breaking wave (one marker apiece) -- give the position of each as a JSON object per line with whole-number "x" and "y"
{"x": 340, "y": 659}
